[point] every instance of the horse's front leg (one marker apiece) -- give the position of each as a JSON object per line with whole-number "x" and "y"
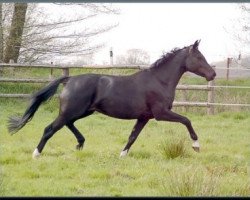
{"x": 134, "y": 134}
{"x": 162, "y": 114}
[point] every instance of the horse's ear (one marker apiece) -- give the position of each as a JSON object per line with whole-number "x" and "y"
{"x": 196, "y": 44}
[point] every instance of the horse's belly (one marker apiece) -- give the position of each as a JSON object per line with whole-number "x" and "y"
{"x": 118, "y": 115}
{"x": 122, "y": 110}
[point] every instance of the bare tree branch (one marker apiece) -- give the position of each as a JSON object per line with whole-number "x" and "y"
{"x": 54, "y": 24}
{"x": 105, "y": 8}
{"x": 133, "y": 57}
{"x": 48, "y": 34}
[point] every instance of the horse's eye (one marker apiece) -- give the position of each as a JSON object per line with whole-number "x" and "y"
{"x": 199, "y": 57}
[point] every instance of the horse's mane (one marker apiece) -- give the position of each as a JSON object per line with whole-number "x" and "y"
{"x": 166, "y": 57}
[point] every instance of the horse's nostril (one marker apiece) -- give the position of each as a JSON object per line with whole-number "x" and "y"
{"x": 211, "y": 76}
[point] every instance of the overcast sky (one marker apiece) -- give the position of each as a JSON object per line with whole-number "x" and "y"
{"x": 160, "y": 27}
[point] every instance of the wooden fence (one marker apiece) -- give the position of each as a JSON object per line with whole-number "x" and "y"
{"x": 210, "y": 104}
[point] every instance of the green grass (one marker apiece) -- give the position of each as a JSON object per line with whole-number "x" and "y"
{"x": 197, "y": 183}
{"x": 174, "y": 147}
{"x": 220, "y": 169}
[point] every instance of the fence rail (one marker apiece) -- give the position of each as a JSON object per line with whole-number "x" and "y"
{"x": 28, "y": 80}
{"x": 2, "y": 65}
{"x": 210, "y": 104}
{"x": 13, "y": 65}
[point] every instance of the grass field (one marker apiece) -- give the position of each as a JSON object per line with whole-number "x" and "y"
{"x": 160, "y": 163}
{"x": 220, "y": 169}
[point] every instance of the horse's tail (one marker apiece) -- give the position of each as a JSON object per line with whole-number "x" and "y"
{"x": 16, "y": 123}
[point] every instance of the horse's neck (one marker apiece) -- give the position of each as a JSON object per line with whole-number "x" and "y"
{"x": 170, "y": 73}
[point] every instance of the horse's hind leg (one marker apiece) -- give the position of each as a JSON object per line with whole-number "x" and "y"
{"x": 80, "y": 138}
{"x": 49, "y": 131}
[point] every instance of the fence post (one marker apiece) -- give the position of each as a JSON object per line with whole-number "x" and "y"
{"x": 65, "y": 71}
{"x": 228, "y": 65}
{"x": 184, "y": 98}
{"x": 111, "y": 55}
{"x": 210, "y": 97}
{"x": 12, "y": 69}
{"x": 51, "y": 72}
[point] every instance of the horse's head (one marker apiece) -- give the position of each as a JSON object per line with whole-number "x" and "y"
{"x": 197, "y": 63}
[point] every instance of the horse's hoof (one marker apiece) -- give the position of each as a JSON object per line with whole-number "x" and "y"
{"x": 79, "y": 147}
{"x": 196, "y": 146}
{"x": 123, "y": 153}
{"x": 36, "y": 154}
{"x": 197, "y": 149}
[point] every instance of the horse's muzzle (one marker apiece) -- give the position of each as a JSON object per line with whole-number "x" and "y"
{"x": 211, "y": 76}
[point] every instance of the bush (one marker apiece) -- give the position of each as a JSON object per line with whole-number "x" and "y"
{"x": 173, "y": 148}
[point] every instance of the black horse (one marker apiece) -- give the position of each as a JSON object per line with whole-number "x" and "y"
{"x": 144, "y": 95}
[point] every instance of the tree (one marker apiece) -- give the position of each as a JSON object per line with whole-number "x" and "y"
{"x": 50, "y": 33}
{"x": 1, "y": 32}
{"x": 14, "y": 39}
{"x": 240, "y": 31}
{"x": 134, "y": 57}
{"x": 87, "y": 59}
